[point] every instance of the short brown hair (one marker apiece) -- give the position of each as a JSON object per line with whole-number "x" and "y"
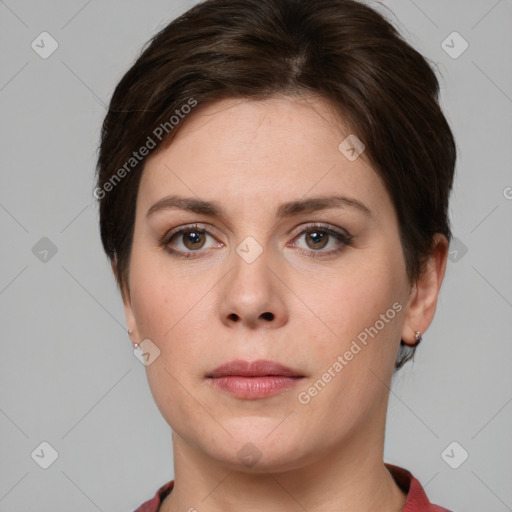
{"x": 340, "y": 50}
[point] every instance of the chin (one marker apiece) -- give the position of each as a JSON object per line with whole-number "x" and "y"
{"x": 256, "y": 447}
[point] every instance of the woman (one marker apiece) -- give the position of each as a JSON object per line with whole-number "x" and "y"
{"x": 273, "y": 179}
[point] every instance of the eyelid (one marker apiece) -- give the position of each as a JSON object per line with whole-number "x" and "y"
{"x": 186, "y": 227}
{"x": 319, "y": 225}
{"x": 298, "y": 231}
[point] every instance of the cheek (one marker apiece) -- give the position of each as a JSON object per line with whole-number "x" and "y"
{"x": 362, "y": 306}
{"x": 360, "y": 296}
{"x": 171, "y": 308}
{"x": 169, "y": 311}
{"x": 159, "y": 293}
{"x": 362, "y": 313}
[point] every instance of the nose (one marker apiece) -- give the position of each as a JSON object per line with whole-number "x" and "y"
{"x": 252, "y": 295}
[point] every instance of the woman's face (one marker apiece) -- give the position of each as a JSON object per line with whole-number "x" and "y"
{"x": 296, "y": 259}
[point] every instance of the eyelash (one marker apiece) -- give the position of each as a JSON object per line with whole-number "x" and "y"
{"x": 344, "y": 238}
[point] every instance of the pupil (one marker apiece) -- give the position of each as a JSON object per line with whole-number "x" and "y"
{"x": 192, "y": 239}
{"x": 318, "y": 238}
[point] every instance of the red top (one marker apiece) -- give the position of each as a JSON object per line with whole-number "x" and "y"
{"x": 417, "y": 500}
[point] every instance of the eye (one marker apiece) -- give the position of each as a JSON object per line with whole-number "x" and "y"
{"x": 187, "y": 240}
{"x": 319, "y": 237}
{"x": 192, "y": 241}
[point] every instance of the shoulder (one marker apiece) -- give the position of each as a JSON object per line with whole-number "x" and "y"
{"x": 154, "y": 503}
{"x": 417, "y": 500}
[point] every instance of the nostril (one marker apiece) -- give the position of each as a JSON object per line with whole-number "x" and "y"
{"x": 268, "y": 316}
{"x": 233, "y": 316}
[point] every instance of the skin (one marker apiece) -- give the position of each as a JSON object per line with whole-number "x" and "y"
{"x": 250, "y": 157}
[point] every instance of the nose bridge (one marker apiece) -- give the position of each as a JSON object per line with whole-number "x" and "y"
{"x": 251, "y": 293}
{"x": 251, "y": 274}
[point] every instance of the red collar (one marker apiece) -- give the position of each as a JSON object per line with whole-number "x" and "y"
{"x": 417, "y": 500}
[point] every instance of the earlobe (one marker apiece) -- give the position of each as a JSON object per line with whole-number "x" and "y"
{"x": 425, "y": 292}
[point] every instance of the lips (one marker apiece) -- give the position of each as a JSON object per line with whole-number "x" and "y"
{"x": 259, "y": 368}
{"x": 253, "y": 380}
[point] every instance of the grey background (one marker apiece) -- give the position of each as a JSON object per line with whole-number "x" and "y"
{"x": 67, "y": 372}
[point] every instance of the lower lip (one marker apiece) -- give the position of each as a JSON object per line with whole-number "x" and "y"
{"x": 254, "y": 387}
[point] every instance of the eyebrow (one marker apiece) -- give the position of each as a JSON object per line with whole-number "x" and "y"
{"x": 284, "y": 210}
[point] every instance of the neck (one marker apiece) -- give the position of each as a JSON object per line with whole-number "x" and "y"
{"x": 351, "y": 477}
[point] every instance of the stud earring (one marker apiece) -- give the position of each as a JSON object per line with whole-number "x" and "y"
{"x": 417, "y": 337}
{"x": 136, "y": 346}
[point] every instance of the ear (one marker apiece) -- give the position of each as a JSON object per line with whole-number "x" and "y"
{"x": 127, "y": 304}
{"x": 424, "y": 293}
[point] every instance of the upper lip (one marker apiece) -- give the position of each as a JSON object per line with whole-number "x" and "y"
{"x": 258, "y": 368}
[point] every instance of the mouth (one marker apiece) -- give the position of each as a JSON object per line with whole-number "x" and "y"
{"x": 253, "y": 380}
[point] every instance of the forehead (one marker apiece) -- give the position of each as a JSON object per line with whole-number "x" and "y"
{"x": 244, "y": 128}
{"x": 270, "y": 151}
